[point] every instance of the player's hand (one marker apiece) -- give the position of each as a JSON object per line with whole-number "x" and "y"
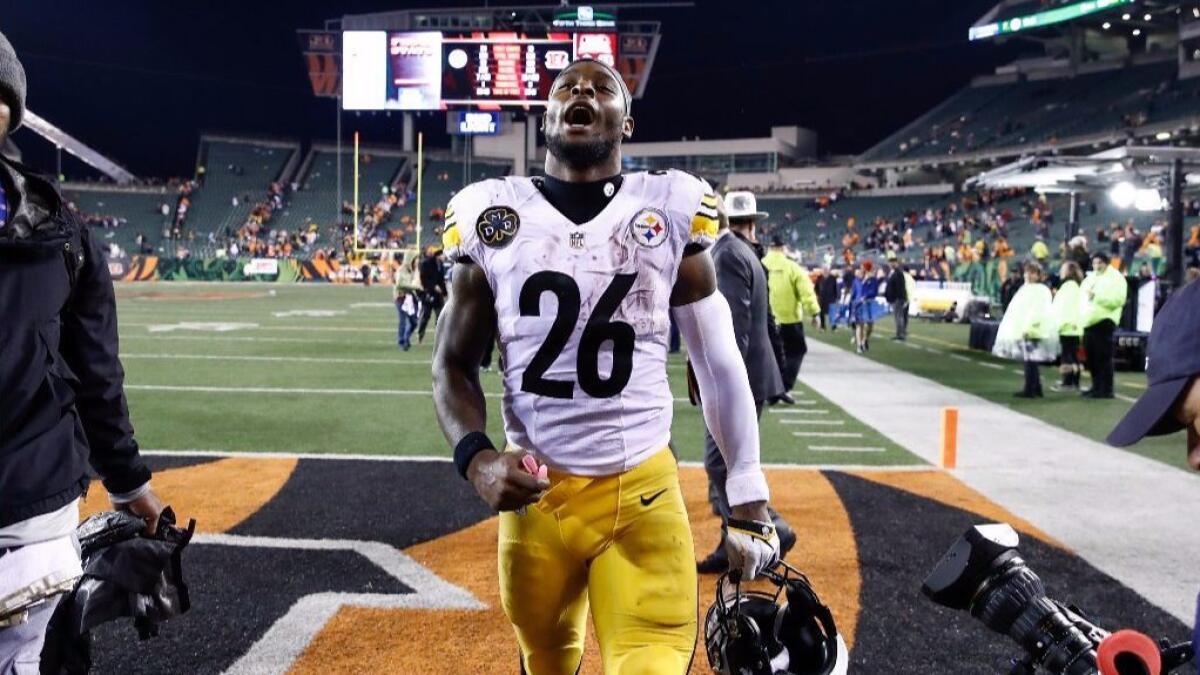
{"x": 504, "y": 482}
{"x": 750, "y": 540}
{"x": 149, "y": 507}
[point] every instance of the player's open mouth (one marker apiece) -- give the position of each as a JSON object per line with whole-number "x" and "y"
{"x": 579, "y": 115}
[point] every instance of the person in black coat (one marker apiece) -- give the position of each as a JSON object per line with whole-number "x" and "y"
{"x": 433, "y": 290}
{"x": 62, "y": 402}
{"x": 827, "y": 294}
{"x": 897, "y": 296}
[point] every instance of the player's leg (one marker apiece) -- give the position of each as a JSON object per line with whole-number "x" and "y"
{"x": 643, "y": 586}
{"x": 543, "y": 590}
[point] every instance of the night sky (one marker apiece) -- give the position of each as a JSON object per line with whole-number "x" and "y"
{"x": 140, "y": 80}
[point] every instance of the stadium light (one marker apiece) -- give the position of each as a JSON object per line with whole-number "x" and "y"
{"x": 1162, "y": 136}
{"x": 1125, "y": 16}
{"x": 1148, "y": 199}
{"x": 1122, "y": 194}
{"x": 1196, "y": 12}
{"x": 1147, "y": 17}
{"x": 1137, "y": 32}
{"x": 1106, "y": 25}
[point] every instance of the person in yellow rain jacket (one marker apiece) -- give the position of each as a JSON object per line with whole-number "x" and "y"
{"x": 1068, "y": 311}
{"x": 1102, "y": 294}
{"x": 792, "y": 299}
{"x": 1027, "y": 332}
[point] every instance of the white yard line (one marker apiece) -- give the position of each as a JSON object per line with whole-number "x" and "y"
{"x": 832, "y": 423}
{"x": 827, "y": 434}
{"x": 799, "y": 411}
{"x": 333, "y": 456}
{"x": 198, "y": 337}
{"x": 844, "y": 448}
{"x": 206, "y": 389}
{"x": 274, "y": 359}
{"x": 1132, "y": 517}
{"x": 295, "y": 329}
{"x": 285, "y": 390}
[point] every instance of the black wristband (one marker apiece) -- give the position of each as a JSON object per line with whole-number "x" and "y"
{"x": 470, "y": 445}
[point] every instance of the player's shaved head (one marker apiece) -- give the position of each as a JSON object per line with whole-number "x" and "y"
{"x": 587, "y": 118}
{"x": 5, "y": 120}
{"x": 612, "y": 73}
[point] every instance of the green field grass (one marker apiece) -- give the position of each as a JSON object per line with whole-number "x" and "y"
{"x": 315, "y": 369}
{"x": 939, "y": 351}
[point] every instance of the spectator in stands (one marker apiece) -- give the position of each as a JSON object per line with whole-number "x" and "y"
{"x": 896, "y": 295}
{"x": 1027, "y": 332}
{"x": 1131, "y": 246}
{"x": 433, "y": 289}
{"x": 1008, "y": 289}
{"x": 827, "y": 296}
{"x": 1040, "y": 251}
{"x": 1067, "y": 314}
{"x": 1103, "y": 292}
{"x": 1077, "y": 251}
{"x": 792, "y": 298}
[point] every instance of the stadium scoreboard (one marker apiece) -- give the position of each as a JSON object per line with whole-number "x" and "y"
{"x": 435, "y": 70}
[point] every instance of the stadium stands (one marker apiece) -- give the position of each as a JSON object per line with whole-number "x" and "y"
{"x": 121, "y": 214}
{"x": 1004, "y": 116}
{"x": 235, "y": 168}
{"x": 316, "y": 198}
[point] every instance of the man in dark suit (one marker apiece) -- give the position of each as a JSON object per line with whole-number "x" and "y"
{"x": 827, "y": 295}
{"x": 743, "y": 281}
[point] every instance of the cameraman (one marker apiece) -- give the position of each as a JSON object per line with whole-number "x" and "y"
{"x": 62, "y": 403}
{"x": 1172, "y": 399}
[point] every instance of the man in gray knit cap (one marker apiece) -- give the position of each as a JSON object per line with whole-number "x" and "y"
{"x": 62, "y": 400}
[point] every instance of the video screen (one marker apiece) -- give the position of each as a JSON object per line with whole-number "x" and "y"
{"x": 431, "y": 70}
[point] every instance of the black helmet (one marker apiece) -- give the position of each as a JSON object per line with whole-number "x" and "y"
{"x": 750, "y": 632}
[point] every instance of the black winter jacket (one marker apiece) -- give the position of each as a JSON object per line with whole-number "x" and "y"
{"x": 62, "y": 400}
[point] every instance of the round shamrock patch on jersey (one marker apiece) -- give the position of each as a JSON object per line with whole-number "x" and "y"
{"x": 649, "y": 227}
{"x": 497, "y": 226}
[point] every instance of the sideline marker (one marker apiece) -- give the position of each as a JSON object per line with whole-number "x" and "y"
{"x": 949, "y": 437}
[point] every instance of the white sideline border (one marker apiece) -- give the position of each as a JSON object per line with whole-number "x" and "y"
{"x": 242, "y": 454}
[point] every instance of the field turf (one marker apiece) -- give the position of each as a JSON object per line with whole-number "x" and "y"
{"x": 304, "y": 369}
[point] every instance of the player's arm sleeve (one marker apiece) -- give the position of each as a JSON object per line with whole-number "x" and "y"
{"x": 707, "y": 329}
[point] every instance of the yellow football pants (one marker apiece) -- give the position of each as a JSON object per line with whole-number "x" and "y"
{"x": 621, "y": 542}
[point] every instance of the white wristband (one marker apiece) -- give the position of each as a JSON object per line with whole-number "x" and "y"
{"x": 131, "y": 496}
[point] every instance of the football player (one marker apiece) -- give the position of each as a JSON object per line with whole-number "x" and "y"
{"x": 575, "y": 272}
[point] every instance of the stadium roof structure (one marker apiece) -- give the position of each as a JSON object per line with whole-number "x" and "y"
{"x": 1137, "y": 172}
{"x": 1037, "y": 18}
{"x": 1149, "y": 166}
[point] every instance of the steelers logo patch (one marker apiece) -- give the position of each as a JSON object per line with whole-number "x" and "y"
{"x": 497, "y": 226}
{"x": 649, "y": 228}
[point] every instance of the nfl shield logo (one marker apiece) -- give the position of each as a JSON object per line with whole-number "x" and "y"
{"x": 576, "y": 240}
{"x": 649, "y": 228}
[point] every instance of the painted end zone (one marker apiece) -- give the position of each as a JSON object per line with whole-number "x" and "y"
{"x": 347, "y": 566}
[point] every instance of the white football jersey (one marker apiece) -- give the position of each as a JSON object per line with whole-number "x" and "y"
{"x": 582, "y": 311}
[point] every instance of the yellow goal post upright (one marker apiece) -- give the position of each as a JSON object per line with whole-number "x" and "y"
{"x": 362, "y": 252}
